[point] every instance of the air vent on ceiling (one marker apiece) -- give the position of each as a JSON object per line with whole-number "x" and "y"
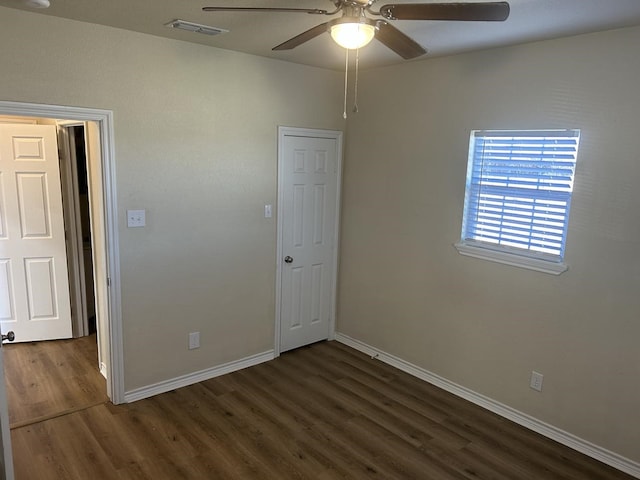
{"x": 195, "y": 27}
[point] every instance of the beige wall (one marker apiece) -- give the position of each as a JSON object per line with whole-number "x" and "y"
{"x": 195, "y": 144}
{"x": 195, "y": 136}
{"x": 405, "y": 290}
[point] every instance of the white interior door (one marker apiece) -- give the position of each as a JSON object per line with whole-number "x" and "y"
{"x": 34, "y": 289}
{"x": 6, "y": 458}
{"x": 309, "y": 172}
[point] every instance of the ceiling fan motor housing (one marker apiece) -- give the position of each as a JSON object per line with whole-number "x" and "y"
{"x": 364, "y": 29}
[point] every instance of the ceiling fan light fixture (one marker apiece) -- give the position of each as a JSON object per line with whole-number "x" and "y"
{"x": 352, "y": 32}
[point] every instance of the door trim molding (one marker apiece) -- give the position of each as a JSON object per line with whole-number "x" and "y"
{"x": 336, "y": 135}
{"x": 104, "y": 119}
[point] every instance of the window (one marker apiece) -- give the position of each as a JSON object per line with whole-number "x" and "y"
{"x": 518, "y": 194}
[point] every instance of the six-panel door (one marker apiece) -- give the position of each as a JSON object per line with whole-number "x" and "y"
{"x": 308, "y": 237}
{"x": 34, "y": 289}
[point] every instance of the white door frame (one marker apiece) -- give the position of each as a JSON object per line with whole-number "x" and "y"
{"x": 312, "y": 133}
{"x": 104, "y": 119}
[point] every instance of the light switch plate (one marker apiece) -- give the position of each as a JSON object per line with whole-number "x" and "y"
{"x": 268, "y": 211}
{"x": 136, "y": 218}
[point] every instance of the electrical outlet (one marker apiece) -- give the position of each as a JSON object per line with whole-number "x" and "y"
{"x": 536, "y": 381}
{"x": 194, "y": 340}
{"x": 136, "y": 218}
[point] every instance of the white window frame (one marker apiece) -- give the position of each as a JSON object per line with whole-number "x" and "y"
{"x": 500, "y": 253}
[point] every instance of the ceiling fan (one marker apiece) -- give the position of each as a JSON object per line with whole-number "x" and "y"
{"x": 354, "y": 29}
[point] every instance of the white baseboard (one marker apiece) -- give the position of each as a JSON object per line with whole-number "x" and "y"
{"x": 601, "y": 454}
{"x": 191, "y": 378}
{"x": 103, "y": 370}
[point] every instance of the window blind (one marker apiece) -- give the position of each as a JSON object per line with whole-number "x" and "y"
{"x": 519, "y": 187}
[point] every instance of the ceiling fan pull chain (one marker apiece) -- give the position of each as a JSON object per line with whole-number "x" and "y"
{"x": 346, "y": 71}
{"x": 355, "y": 93}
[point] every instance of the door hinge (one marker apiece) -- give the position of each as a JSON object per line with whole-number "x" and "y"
{"x": 108, "y": 281}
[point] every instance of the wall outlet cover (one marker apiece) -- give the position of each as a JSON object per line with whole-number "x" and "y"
{"x": 136, "y": 218}
{"x": 194, "y": 340}
{"x": 536, "y": 381}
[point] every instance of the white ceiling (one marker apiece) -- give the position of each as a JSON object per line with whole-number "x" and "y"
{"x": 256, "y": 33}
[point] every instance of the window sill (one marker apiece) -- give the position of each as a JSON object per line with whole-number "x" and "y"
{"x": 539, "y": 265}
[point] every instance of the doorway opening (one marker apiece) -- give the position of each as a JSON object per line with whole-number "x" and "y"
{"x": 95, "y": 127}
{"x": 77, "y": 212}
{"x": 79, "y": 164}
{"x": 48, "y": 374}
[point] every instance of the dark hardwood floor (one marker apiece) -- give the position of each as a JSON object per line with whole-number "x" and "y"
{"x": 321, "y": 412}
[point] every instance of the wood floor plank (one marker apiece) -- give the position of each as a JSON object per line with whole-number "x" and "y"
{"x": 46, "y": 378}
{"x": 304, "y": 421}
{"x": 323, "y": 412}
{"x": 229, "y": 456}
{"x": 115, "y": 439}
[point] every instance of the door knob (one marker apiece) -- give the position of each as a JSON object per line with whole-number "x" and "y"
{"x": 9, "y": 336}
{"x": 288, "y": 259}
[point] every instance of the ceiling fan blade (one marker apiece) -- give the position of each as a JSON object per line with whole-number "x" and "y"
{"x": 466, "y": 12}
{"x": 315, "y": 11}
{"x": 397, "y": 41}
{"x": 303, "y": 37}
